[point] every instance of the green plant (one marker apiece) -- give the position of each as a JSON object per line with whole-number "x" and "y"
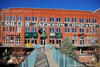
{"x": 68, "y": 48}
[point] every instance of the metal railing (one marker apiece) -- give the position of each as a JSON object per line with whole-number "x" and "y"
{"x": 29, "y": 60}
{"x": 37, "y": 46}
{"x": 63, "y": 60}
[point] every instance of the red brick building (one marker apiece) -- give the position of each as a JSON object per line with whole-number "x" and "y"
{"x": 21, "y": 35}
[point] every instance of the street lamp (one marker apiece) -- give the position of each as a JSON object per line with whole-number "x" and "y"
{"x": 44, "y": 37}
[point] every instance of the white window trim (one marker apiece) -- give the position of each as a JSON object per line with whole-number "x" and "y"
{"x": 74, "y": 39}
{"x": 6, "y": 18}
{"x": 34, "y": 40}
{"x": 94, "y": 19}
{"x": 19, "y": 19}
{"x": 89, "y": 31}
{"x": 28, "y": 19}
{"x": 11, "y": 42}
{"x": 82, "y": 28}
{"x": 43, "y": 19}
{"x": 88, "y": 20}
{"x": 52, "y": 40}
{"x": 27, "y": 29}
{"x": 52, "y": 30}
{"x": 74, "y": 30}
{"x": 13, "y": 28}
{"x": 5, "y": 40}
{"x": 34, "y": 29}
{"x": 27, "y": 40}
{"x": 74, "y": 20}
{"x": 58, "y": 31}
{"x": 90, "y": 40}
{"x": 81, "y": 20}
{"x": 67, "y": 31}
{"x": 60, "y": 19}
{"x": 18, "y": 40}
{"x": 58, "y": 39}
{"x": 95, "y": 32}
{"x": 5, "y": 29}
{"x": 12, "y": 19}
{"x": 51, "y": 21}
{"x": 32, "y": 19}
{"x": 67, "y": 19}
{"x": 18, "y": 29}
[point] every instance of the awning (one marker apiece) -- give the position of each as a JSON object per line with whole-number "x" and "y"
{"x": 58, "y": 35}
{"x": 30, "y": 34}
{"x": 43, "y": 35}
{"x": 52, "y": 34}
{"x": 55, "y": 34}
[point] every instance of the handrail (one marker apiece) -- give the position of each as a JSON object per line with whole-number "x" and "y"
{"x": 30, "y": 58}
{"x": 63, "y": 59}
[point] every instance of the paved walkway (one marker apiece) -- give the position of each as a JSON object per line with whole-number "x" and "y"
{"x": 44, "y": 58}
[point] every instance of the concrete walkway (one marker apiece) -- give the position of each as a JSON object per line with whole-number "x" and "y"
{"x": 44, "y": 58}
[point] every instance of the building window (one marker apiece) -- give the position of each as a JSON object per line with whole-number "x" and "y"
{"x": 11, "y": 40}
{"x": 51, "y": 41}
{"x": 27, "y": 18}
{"x": 34, "y": 29}
{"x": 81, "y": 20}
{"x": 5, "y": 29}
{"x": 58, "y": 30}
{"x": 11, "y": 29}
{"x": 89, "y": 40}
{"x": 74, "y": 20}
{"x": 41, "y": 30}
{"x": 27, "y": 40}
{"x": 5, "y": 40}
{"x": 43, "y": 19}
{"x": 27, "y": 29}
{"x": 88, "y": 20}
{"x": 18, "y": 40}
{"x": 34, "y": 18}
{"x": 95, "y": 40}
{"x": 94, "y": 20}
{"x": 18, "y": 29}
{"x": 67, "y": 30}
{"x": 74, "y": 40}
{"x": 6, "y": 18}
{"x": 19, "y": 18}
{"x": 88, "y": 30}
{"x": 58, "y": 41}
{"x": 95, "y": 31}
{"x": 81, "y": 30}
{"x": 51, "y": 19}
{"x": 58, "y": 19}
{"x": 74, "y": 30}
{"x": 12, "y": 18}
{"x": 34, "y": 41}
{"x": 51, "y": 30}
{"x": 66, "y": 19}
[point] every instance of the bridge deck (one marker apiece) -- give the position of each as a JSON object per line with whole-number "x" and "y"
{"x": 44, "y": 58}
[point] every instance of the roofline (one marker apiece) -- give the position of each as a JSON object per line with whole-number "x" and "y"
{"x": 96, "y": 10}
{"x": 51, "y": 8}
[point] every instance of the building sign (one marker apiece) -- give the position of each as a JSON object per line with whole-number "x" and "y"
{"x": 50, "y": 24}
{"x": 52, "y": 34}
{"x": 12, "y": 34}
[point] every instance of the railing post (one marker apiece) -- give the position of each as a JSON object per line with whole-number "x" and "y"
{"x": 58, "y": 58}
{"x": 68, "y": 62}
{"x": 22, "y": 64}
{"x": 74, "y": 63}
{"x": 63, "y": 60}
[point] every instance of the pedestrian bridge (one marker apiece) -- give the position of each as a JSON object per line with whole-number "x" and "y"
{"x": 51, "y": 57}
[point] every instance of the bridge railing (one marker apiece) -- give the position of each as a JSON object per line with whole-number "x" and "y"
{"x": 29, "y": 60}
{"x": 37, "y": 46}
{"x": 63, "y": 60}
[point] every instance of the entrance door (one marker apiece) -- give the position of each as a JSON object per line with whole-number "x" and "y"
{"x": 81, "y": 40}
{"x": 43, "y": 42}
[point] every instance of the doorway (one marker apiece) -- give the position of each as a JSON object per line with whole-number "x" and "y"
{"x": 82, "y": 41}
{"x": 42, "y": 41}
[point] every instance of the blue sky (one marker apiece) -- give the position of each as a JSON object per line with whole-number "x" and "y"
{"x": 88, "y": 5}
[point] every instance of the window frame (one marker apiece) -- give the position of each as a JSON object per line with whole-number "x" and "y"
{"x": 27, "y": 40}
{"x": 51, "y": 19}
{"x": 35, "y": 19}
{"x": 6, "y": 18}
{"x": 67, "y": 30}
{"x": 81, "y": 30}
{"x": 18, "y": 29}
{"x": 87, "y": 20}
{"x": 75, "y": 39}
{"x": 88, "y": 30}
{"x": 5, "y": 41}
{"x": 52, "y": 39}
{"x": 19, "y": 18}
{"x": 28, "y": 18}
{"x": 43, "y": 19}
{"x": 95, "y": 31}
{"x": 35, "y": 29}
{"x": 67, "y": 19}
{"x": 58, "y": 40}
{"x": 12, "y": 18}
{"x": 34, "y": 39}
{"x": 59, "y": 30}
{"x": 11, "y": 43}
{"x": 27, "y": 28}
{"x": 89, "y": 39}
{"x": 19, "y": 40}
{"x": 59, "y": 18}
{"x": 13, "y": 29}
{"x": 5, "y": 29}
{"x": 73, "y": 20}
{"x": 75, "y": 30}
{"x": 52, "y": 30}
{"x": 82, "y": 20}
{"x": 94, "y": 21}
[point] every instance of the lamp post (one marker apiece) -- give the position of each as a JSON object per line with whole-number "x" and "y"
{"x": 44, "y": 37}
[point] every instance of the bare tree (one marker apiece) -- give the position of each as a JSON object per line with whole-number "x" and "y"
{"x": 17, "y": 52}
